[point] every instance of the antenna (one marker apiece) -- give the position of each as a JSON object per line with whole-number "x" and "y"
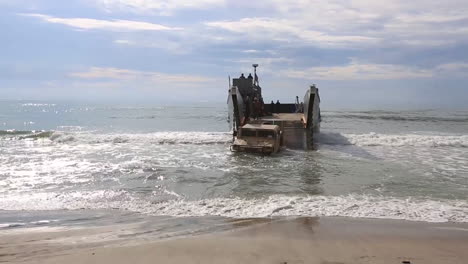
{"x": 255, "y": 74}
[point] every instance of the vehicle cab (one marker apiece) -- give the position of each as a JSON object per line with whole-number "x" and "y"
{"x": 260, "y": 138}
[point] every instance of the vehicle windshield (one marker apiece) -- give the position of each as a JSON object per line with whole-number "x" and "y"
{"x": 266, "y": 133}
{"x": 258, "y": 133}
{"x": 249, "y": 133}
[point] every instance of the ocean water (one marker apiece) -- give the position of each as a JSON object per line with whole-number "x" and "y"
{"x": 69, "y": 163}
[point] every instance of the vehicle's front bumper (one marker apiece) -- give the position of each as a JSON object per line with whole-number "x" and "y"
{"x": 253, "y": 149}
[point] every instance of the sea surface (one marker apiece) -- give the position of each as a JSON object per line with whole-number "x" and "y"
{"x": 84, "y": 164}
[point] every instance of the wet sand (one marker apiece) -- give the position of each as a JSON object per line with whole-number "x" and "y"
{"x": 299, "y": 240}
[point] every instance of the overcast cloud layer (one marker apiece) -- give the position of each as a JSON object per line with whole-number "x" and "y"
{"x": 361, "y": 53}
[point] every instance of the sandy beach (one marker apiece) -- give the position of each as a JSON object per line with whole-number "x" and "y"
{"x": 299, "y": 240}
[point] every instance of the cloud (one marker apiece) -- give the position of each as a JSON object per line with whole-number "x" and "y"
{"x": 112, "y": 25}
{"x": 286, "y": 30}
{"x": 141, "y": 76}
{"x": 163, "y": 7}
{"x": 357, "y": 70}
{"x": 268, "y": 65}
{"x": 147, "y": 85}
{"x": 454, "y": 66}
{"x": 453, "y": 69}
{"x": 157, "y": 42}
{"x": 251, "y": 51}
{"x": 124, "y": 42}
{"x": 355, "y": 23}
{"x": 360, "y": 71}
{"x": 80, "y": 85}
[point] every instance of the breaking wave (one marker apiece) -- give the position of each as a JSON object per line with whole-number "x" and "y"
{"x": 201, "y": 138}
{"x": 153, "y": 138}
{"x": 175, "y": 137}
{"x": 374, "y": 139}
{"x": 38, "y": 104}
{"x": 15, "y": 132}
{"x": 361, "y": 206}
{"x": 392, "y": 116}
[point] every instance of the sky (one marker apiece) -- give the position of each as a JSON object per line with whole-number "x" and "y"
{"x": 360, "y": 53}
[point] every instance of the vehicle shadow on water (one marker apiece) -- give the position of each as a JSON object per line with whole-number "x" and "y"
{"x": 338, "y": 142}
{"x": 289, "y": 172}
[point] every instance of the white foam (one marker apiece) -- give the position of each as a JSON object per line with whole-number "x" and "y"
{"x": 277, "y": 205}
{"x": 324, "y": 138}
{"x": 15, "y": 225}
{"x": 351, "y": 206}
{"x": 71, "y": 128}
{"x": 11, "y": 225}
{"x": 173, "y": 137}
{"x": 172, "y": 193}
{"x": 375, "y": 139}
{"x": 43, "y": 222}
{"x": 36, "y": 104}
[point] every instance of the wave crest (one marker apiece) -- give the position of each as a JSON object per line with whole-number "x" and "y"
{"x": 390, "y": 116}
{"x": 196, "y": 138}
{"x": 15, "y": 132}
{"x": 362, "y": 206}
{"x": 375, "y": 139}
{"x": 203, "y": 138}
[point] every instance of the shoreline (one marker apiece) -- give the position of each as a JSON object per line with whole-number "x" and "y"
{"x": 324, "y": 240}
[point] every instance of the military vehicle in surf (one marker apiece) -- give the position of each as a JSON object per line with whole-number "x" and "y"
{"x": 265, "y": 128}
